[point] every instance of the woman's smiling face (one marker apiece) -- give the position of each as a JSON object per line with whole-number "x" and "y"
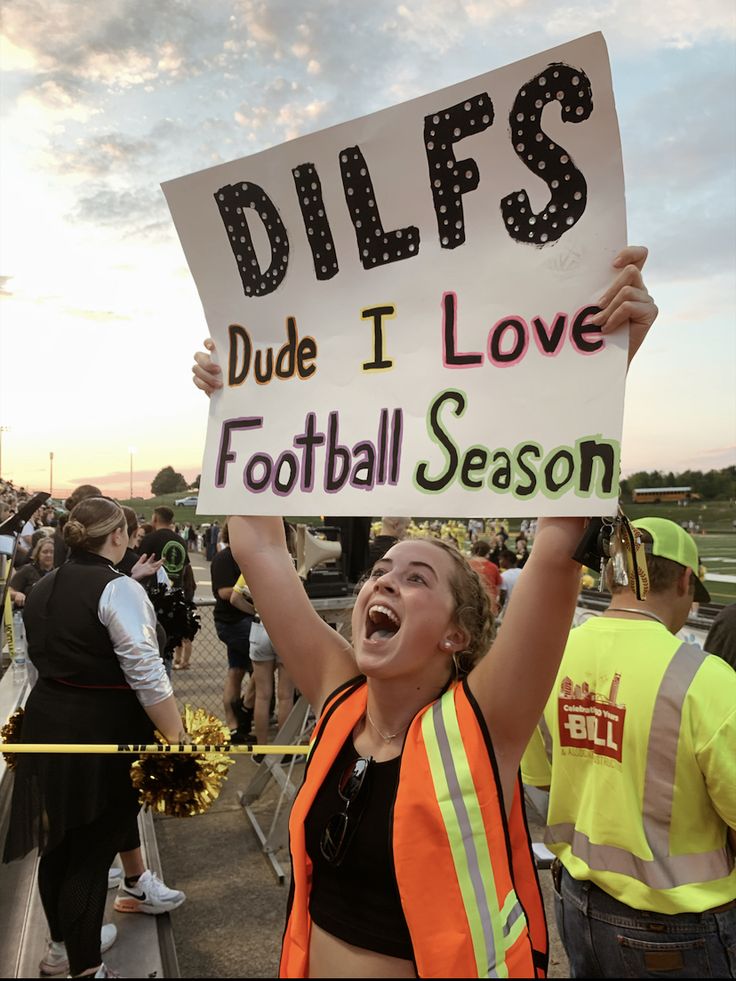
{"x": 404, "y": 613}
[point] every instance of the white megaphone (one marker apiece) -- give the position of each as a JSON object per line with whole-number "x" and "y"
{"x": 312, "y": 551}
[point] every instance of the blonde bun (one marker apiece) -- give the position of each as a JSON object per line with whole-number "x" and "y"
{"x": 91, "y": 522}
{"x": 75, "y": 534}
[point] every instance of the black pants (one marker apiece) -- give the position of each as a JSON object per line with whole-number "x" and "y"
{"x": 72, "y": 881}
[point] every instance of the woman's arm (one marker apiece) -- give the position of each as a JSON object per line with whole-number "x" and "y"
{"x": 165, "y": 716}
{"x": 240, "y": 598}
{"x": 130, "y": 620}
{"x": 512, "y": 683}
{"x": 316, "y": 657}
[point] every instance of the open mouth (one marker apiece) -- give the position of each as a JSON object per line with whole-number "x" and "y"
{"x": 381, "y": 622}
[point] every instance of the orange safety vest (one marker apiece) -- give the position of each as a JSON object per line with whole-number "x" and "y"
{"x": 466, "y": 875}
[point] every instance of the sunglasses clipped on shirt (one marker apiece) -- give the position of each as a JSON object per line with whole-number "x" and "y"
{"x": 341, "y": 826}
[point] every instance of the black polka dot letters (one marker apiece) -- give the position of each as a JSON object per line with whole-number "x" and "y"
{"x": 450, "y": 179}
{"x": 234, "y": 201}
{"x": 544, "y": 158}
{"x": 321, "y": 242}
{"x": 376, "y": 247}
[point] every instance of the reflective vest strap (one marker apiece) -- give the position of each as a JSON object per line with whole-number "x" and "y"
{"x": 526, "y": 881}
{"x": 344, "y": 707}
{"x": 667, "y": 873}
{"x": 461, "y": 814}
{"x": 664, "y": 735}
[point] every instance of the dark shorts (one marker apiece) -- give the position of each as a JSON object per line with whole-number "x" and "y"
{"x": 236, "y": 637}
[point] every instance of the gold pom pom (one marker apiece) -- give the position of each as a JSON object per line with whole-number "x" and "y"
{"x": 181, "y": 785}
{"x": 10, "y": 733}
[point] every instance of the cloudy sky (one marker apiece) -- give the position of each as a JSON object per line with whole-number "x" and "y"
{"x": 102, "y": 100}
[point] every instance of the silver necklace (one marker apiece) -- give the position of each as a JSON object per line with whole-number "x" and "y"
{"x": 639, "y": 613}
{"x": 384, "y": 737}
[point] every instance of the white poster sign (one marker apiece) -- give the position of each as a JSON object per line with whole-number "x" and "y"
{"x": 401, "y": 304}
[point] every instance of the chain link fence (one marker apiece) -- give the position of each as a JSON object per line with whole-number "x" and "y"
{"x": 201, "y": 684}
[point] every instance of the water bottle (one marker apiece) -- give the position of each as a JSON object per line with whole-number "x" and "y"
{"x": 20, "y": 658}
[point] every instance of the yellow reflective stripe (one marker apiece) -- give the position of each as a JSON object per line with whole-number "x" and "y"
{"x": 475, "y": 842}
{"x": 461, "y": 814}
{"x": 454, "y": 836}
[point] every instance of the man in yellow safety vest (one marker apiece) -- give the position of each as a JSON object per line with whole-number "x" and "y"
{"x": 640, "y": 733}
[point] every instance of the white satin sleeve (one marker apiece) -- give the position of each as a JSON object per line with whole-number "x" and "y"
{"x": 126, "y": 612}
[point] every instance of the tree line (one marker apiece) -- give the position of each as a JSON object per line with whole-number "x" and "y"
{"x": 170, "y": 481}
{"x": 711, "y": 485}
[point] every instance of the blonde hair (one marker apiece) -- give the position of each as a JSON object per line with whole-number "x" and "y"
{"x": 91, "y": 522}
{"x": 472, "y": 608}
{"x": 44, "y": 540}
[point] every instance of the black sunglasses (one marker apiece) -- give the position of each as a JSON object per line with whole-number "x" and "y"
{"x": 335, "y": 837}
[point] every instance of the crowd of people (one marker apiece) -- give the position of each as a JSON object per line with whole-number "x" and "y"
{"x": 409, "y": 847}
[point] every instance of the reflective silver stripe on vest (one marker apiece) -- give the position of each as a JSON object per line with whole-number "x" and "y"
{"x": 663, "y": 871}
{"x": 513, "y": 916}
{"x": 463, "y": 820}
{"x": 664, "y": 735}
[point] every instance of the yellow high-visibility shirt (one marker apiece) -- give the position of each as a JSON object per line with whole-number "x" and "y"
{"x": 643, "y": 783}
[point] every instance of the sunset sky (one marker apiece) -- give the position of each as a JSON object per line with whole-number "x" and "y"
{"x": 102, "y": 101}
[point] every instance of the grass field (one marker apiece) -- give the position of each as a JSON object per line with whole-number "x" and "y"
{"x": 718, "y": 555}
{"x": 713, "y": 516}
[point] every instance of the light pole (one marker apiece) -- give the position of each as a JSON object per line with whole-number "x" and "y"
{"x": 51, "y": 473}
{"x": 3, "y": 429}
{"x": 131, "y": 451}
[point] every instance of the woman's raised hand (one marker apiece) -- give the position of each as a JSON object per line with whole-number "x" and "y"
{"x": 627, "y": 299}
{"x": 145, "y": 567}
{"x": 207, "y": 374}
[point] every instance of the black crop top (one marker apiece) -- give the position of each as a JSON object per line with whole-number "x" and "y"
{"x": 358, "y": 901}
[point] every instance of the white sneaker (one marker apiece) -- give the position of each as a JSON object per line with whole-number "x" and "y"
{"x": 148, "y": 895}
{"x": 114, "y": 877}
{"x": 55, "y": 959}
{"x": 103, "y": 971}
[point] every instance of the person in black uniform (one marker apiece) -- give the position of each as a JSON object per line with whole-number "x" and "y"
{"x": 232, "y": 625}
{"x": 92, "y": 637}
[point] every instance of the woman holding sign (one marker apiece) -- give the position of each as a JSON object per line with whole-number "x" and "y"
{"x": 409, "y": 849}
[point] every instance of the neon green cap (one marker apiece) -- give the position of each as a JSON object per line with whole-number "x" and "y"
{"x": 670, "y": 541}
